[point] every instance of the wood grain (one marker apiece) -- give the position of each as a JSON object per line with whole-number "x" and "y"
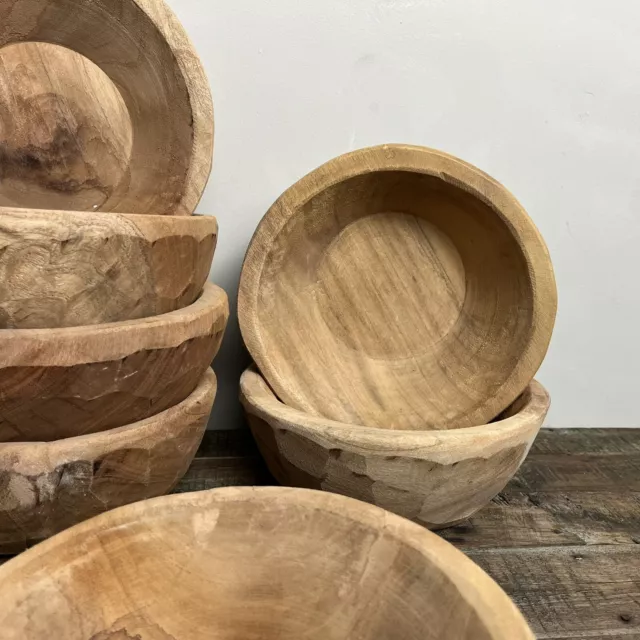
{"x": 577, "y": 592}
{"x": 65, "y": 269}
{"x": 48, "y": 487}
{"x": 251, "y": 563}
{"x": 56, "y": 149}
{"x": 433, "y": 477}
{"x": 65, "y": 132}
{"x": 413, "y": 245}
{"x": 60, "y": 383}
{"x": 534, "y": 519}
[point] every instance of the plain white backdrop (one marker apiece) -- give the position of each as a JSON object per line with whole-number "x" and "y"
{"x": 542, "y": 94}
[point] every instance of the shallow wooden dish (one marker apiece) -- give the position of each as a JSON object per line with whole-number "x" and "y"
{"x": 397, "y": 287}
{"x": 436, "y": 478}
{"x": 65, "y": 269}
{"x": 61, "y": 383}
{"x": 165, "y": 160}
{"x": 252, "y": 563}
{"x": 46, "y": 487}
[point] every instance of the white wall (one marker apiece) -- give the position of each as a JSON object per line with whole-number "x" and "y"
{"x": 542, "y": 94}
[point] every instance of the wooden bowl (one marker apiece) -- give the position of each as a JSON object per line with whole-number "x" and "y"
{"x": 253, "y": 564}
{"x": 65, "y": 132}
{"x": 143, "y": 50}
{"x": 49, "y": 486}
{"x": 61, "y": 383}
{"x": 397, "y": 287}
{"x": 65, "y": 269}
{"x": 436, "y": 478}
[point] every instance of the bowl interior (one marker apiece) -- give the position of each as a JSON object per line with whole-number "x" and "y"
{"x": 65, "y": 132}
{"x": 130, "y": 44}
{"x": 397, "y": 299}
{"x": 263, "y": 566}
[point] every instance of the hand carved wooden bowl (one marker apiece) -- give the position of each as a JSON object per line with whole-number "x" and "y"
{"x": 397, "y": 287}
{"x": 46, "y": 487}
{"x": 65, "y": 269}
{"x": 162, "y": 156}
{"x": 251, "y": 563}
{"x": 61, "y": 383}
{"x": 436, "y": 478}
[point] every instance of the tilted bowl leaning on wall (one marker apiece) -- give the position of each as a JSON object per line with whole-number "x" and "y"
{"x": 61, "y": 383}
{"x": 65, "y": 269}
{"x": 245, "y": 562}
{"x": 436, "y": 477}
{"x": 397, "y": 287}
{"x": 49, "y": 486}
{"x": 58, "y": 152}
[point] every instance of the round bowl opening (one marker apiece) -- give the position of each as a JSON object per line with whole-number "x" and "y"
{"x": 397, "y": 298}
{"x": 65, "y": 131}
{"x": 275, "y": 564}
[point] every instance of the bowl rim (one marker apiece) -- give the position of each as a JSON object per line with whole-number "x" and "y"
{"x": 69, "y": 346}
{"x": 48, "y": 454}
{"x": 444, "y": 446}
{"x": 494, "y": 608}
{"x": 150, "y": 225}
{"x": 416, "y": 159}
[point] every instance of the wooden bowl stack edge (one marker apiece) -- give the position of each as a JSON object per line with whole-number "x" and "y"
{"x": 108, "y": 326}
{"x": 397, "y": 302}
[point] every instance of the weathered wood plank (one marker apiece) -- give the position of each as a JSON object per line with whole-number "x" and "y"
{"x": 211, "y": 473}
{"x": 587, "y": 472}
{"x": 566, "y": 591}
{"x": 224, "y": 444}
{"x": 585, "y": 441}
{"x": 551, "y": 519}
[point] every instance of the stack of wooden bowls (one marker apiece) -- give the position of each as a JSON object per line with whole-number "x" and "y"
{"x": 107, "y": 324}
{"x": 397, "y": 302}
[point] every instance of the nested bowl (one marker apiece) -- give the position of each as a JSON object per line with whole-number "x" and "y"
{"x": 435, "y": 477}
{"x": 66, "y": 269}
{"x": 252, "y": 563}
{"x": 46, "y": 487}
{"x": 65, "y": 131}
{"x": 161, "y": 158}
{"x": 397, "y": 287}
{"x": 61, "y": 383}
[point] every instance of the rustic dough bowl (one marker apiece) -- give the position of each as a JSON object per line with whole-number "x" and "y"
{"x": 397, "y": 287}
{"x": 49, "y": 486}
{"x": 65, "y": 269}
{"x": 61, "y": 383}
{"x": 252, "y": 564}
{"x": 144, "y": 51}
{"x": 436, "y": 478}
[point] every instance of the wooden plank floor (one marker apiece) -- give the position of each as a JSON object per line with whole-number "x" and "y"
{"x": 562, "y": 539}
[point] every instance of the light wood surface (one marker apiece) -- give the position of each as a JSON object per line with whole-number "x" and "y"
{"x": 63, "y": 269}
{"x": 144, "y": 51}
{"x": 397, "y": 287}
{"x": 47, "y": 487}
{"x": 251, "y": 563}
{"x": 65, "y": 132}
{"x": 433, "y": 477}
{"x": 60, "y": 383}
{"x": 562, "y": 539}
